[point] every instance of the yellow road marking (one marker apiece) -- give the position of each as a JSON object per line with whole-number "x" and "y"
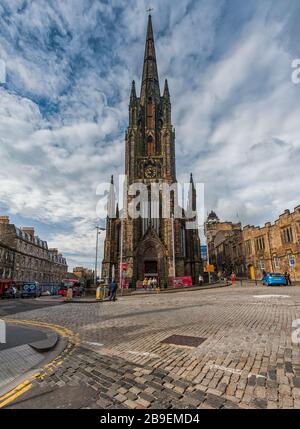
{"x": 20, "y": 386}
{"x": 15, "y": 395}
{"x": 73, "y": 339}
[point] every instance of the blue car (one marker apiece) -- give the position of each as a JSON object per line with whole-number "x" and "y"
{"x": 274, "y": 279}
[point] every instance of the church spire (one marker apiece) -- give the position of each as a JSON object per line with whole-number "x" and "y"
{"x": 150, "y": 82}
{"x": 133, "y": 92}
{"x": 191, "y": 206}
{"x": 166, "y": 90}
{"x": 192, "y": 179}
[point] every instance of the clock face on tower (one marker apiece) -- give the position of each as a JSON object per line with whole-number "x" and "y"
{"x": 150, "y": 172}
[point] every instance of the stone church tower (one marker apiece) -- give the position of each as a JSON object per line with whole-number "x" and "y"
{"x": 151, "y": 242}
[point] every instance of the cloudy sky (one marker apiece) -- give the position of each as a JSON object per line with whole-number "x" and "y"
{"x": 63, "y": 108}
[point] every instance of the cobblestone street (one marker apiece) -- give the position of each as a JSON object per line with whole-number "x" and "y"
{"x": 247, "y": 358}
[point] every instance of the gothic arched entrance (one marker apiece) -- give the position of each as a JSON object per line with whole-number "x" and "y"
{"x": 151, "y": 258}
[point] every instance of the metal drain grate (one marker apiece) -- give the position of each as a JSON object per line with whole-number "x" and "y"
{"x": 183, "y": 340}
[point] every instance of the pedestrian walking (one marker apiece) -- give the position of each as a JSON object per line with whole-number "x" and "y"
{"x": 14, "y": 292}
{"x": 113, "y": 290}
{"x": 145, "y": 283}
{"x": 152, "y": 283}
{"x": 200, "y": 280}
{"x": 233, "y": 278}
{"x": 288, "y": 278}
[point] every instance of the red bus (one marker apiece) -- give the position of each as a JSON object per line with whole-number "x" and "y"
{"x": 70, "y": 283}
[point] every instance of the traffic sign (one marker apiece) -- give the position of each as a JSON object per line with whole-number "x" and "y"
{"x": 292, "y": 262}
{"x": 209, "y": 268}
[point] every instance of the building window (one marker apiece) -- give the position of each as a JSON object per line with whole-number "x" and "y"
{"x": 287, "y": 235}
{"x": 150, "y": 145}
{"x": 260, "y": 243}
{"x": 276, "y": 262}
{"x": 150, "y": 124}
{"x": 262, "y": 264}
{"x": 248, "y": 247}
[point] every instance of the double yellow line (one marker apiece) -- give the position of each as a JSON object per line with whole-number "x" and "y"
{"x": 73, "y": 341}
{"x": 15, "y": 393}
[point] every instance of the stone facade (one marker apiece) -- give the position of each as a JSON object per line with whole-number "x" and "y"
{"x": 251, "y": 250}
{"x": 84, "y": 274}
{"x": 150, "y": 159}
{"x": 7, "y": 257}
{"x": 25, "y": 257}
{"x": 271, "y": 247}
{"x": 220, "y": 237}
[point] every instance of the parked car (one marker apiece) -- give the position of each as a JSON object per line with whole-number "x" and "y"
{"x": 4, "y": 285}
{"x": 31, "y": 290}
{"x": 63, "y": 291}
{"x": 10, "y": 292}
{"x": 273, "y": 279}
{"x": 77, "y": 290}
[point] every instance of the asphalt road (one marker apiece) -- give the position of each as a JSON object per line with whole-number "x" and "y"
{"x": 14, "y": 306}
{"x": 18, "y": 335}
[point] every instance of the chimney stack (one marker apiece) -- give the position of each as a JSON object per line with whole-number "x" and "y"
{"x": 4, "y": 220}
{"x": 29, "y": 230}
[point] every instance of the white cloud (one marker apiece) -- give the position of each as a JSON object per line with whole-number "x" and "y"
{"x": 63, "y": 112}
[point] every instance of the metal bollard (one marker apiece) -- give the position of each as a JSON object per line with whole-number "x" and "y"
{"x": 98, "y": 293}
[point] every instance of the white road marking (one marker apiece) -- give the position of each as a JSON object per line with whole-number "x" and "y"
{"x": 256, "y": 375}
{"x": 224, "y": 368}
{"x": 271, "y": 296}
{"x": 142, "y": 354}
{"x": 93, "y": 344}
{"x": 234, "y": 371}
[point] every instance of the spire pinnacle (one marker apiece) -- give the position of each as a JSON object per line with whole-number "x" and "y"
{"x": 133, "y": 91}
{"x": 166, "y": 90}
{"x": 150, "y": 82}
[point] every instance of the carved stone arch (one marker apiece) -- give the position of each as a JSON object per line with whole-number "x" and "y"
{"x": 151, "y": 256}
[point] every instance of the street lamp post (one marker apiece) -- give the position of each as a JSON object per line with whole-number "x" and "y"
{"x": 208, "y": 262}
{"x": 207, "y": 251}
{"x": 173, "y": 246}
{"x": 98, "y": 231}
{"x": 121, "y": 257}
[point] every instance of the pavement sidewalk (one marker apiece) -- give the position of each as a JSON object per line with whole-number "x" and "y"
{"x": 25, "y": 349}
{"x": 134, "y": 292}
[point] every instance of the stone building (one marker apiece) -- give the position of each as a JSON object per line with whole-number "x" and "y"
{"x": 84, "y": 274}
{"x": 150, "y": 159}
{"x": 274, "y": 247}
{"x": 6, "y": 261}
{"x": 251, "y": 250}
{"x": 217, "y": 233}
{"x": 229, "y": 251}
{"x": 26, "y": 257}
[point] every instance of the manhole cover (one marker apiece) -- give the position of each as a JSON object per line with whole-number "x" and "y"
{"x": 183, "y": 340}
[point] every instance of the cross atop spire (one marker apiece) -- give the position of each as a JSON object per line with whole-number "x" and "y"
{"x": 150, "y": 82}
